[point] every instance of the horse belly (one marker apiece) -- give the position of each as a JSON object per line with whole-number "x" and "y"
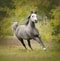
{"x": 23, "y": 33}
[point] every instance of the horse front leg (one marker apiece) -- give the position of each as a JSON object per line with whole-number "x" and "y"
{"x": 38, "y": 39}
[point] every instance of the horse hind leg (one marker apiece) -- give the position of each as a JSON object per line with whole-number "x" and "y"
{"x": 21, "y": 40}
{"x": 29, "y": 44}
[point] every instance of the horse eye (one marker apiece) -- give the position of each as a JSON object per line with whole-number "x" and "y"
{"x": 32, "y": 16}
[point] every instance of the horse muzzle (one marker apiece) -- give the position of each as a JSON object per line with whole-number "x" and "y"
{"x": 36, "y": 21}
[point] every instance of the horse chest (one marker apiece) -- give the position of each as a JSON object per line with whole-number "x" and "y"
{"x": 32, "y": 32}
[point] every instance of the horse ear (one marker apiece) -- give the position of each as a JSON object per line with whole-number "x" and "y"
{"x": 31, "y": 12}
{"x": 35, "y": 12}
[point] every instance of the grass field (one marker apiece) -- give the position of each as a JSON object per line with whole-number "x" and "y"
{"x": 18, "y": 53}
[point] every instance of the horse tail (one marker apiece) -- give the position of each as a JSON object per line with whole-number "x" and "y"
{"x": 14, "y": 26}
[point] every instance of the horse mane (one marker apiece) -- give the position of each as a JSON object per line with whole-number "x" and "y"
{"x": 27, "y": 21}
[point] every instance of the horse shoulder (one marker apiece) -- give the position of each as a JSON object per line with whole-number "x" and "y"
{"x": 35, "y": 31}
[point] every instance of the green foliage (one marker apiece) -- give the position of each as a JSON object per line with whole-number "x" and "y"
{"x": 6, "y": 3}
{"x": 56, "y": 30}
{"x": 56, "y": 22}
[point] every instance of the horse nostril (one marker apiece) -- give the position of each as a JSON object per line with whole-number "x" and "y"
{"x": 36, "y": 21}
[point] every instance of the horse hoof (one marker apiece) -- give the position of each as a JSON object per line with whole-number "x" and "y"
{"x": 44, "y": 49}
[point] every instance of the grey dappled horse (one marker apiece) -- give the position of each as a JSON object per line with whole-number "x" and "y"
{"x": 28, "y": 31}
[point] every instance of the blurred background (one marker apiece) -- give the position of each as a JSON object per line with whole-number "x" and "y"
{"x": 48, "y": 12}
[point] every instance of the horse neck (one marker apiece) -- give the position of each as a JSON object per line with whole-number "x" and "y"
{"x": 31, "y": 24}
